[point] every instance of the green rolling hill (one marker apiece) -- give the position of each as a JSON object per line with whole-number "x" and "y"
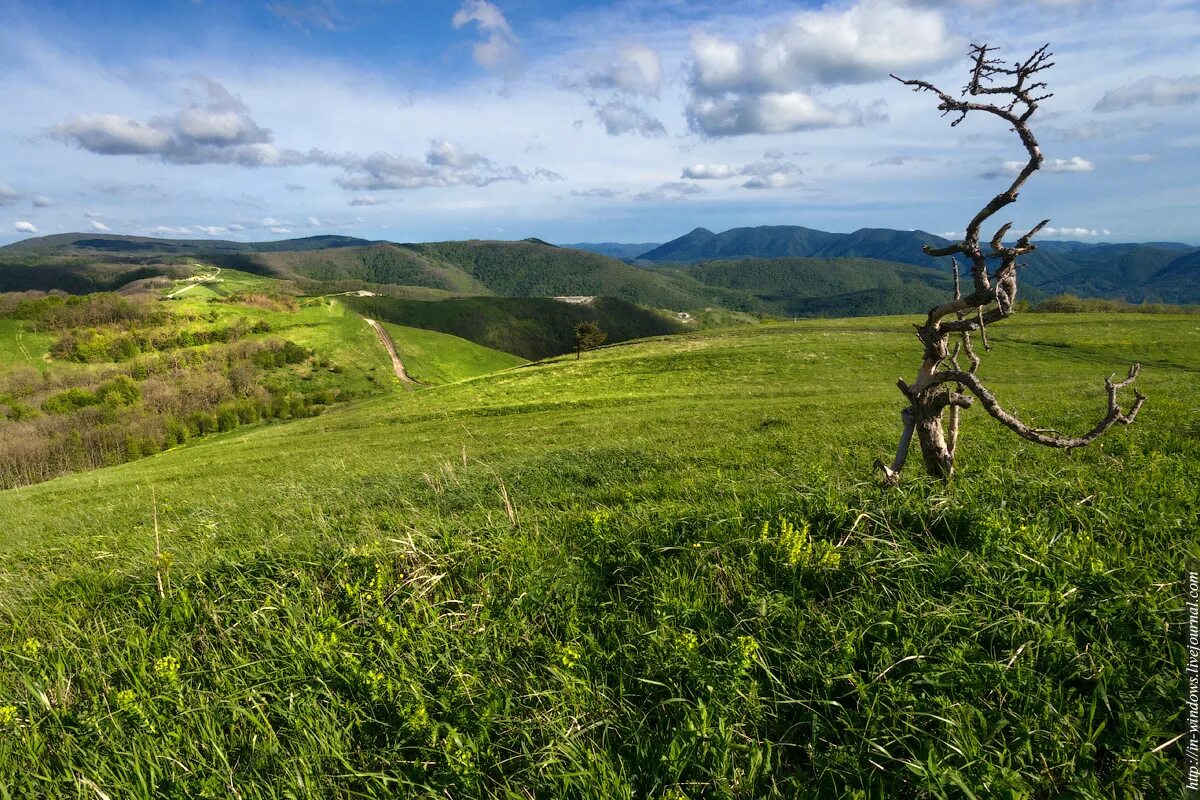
{"x": 665, "y": 565}
{"x": 530, "y": 327}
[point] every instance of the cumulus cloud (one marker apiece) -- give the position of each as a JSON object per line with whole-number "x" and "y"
{"x": 621, "y": 117}
{"x": 367, "y": 200}
{"x": 675, "y": 190}
{"x": 445, "y": 164}
{"x": 24, "y": 227}
{"x": 98, "y": 226}
{"x": 636, "y": 70}
{"x": 772, "y": 174}
{"x": 766, "y": 85}
{"x": 616, "y": 91}
{"x": 8, "y": 196}
{"x": 497, "y": 48}
{"x": 1155, "y": 90}
{"x": 218, "y": 130}
{"x": 1072, "y": 164}
{"x": 212, "y": 230}
{"x": 705, "y": 172}
{"x": 41, "y": 201}
{"x": 773, "y": 112}
{"x": 168, "y": 230}
{"x": 313, "y": 222}
{"x": 221, "y": 131}
{"x": 1142, "y": 158}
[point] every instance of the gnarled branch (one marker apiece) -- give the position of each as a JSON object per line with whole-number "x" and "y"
{"x": 1051, "y": 438}
{"x": 993, "y": 295}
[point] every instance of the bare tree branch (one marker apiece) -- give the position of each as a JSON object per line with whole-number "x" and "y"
{"x": 993, "y": 296}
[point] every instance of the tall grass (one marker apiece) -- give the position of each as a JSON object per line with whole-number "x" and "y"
{"x": 664, "y": 571}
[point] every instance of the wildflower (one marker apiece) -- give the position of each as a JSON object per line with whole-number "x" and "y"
{"x": 8, "y": 717}
{"x": 747, "y": 648}
{"x": 31, "y": 647}
{"x": 166, "y": 669}
{"x": 569, "y": 657}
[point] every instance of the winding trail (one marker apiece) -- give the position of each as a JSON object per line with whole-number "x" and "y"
{"x": 397, "y": 364}
{"x": 196, "y": 281}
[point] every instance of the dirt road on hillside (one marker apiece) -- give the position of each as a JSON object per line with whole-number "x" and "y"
{"x": 397, "y": 364}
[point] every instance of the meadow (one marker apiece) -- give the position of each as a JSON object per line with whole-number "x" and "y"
{"x": 665, "y": 570}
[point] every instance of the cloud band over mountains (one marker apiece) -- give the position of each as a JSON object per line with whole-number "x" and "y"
{"x": 220, "y": 130}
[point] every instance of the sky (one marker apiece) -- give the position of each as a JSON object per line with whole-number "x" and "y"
{"x": 630, "y": 121}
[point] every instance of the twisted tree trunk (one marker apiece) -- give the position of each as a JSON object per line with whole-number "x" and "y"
{"x": 938, "y": 391}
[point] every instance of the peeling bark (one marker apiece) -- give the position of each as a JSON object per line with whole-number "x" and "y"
{"x": 993, "y": 294}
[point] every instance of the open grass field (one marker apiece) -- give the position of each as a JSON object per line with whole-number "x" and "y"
{"x": 438, "y": 358}
{"x": 20, "y": 347}
{"x": 663, "y": 571}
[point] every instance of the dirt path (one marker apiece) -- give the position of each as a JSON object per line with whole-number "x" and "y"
{"x": 196, "y": 281}
{"x": 397, "y": 364}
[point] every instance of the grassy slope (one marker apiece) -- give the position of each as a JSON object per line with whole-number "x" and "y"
{"x": 438, "y": 358}
{"x": 530, "y": 327}
{"x": 820, "y": 287}
{"x": 555, "y": 582}
{"x": 20, "y": 347}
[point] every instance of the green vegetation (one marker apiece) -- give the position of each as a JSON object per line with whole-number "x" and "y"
{"x": 588, "y": 336}
{"x": 437, "y": 358}
{"x": 530, "y": 327}
{"x": 660, "y": 572}
{"x": 1070, "y": 304}
{"x": 127, "y": 377}
{"x": 810, "y": 287}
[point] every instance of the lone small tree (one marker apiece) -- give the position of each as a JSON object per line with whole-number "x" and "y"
{"x": 587, "y": 337}
{"x": 993, "y": 294}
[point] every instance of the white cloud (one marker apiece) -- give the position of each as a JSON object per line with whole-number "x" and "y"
{"x": 367, "y": 200}
{"x": 168, "y": 230}
{"x": 41, "y": 201}
{"x": 637, "y": 70}
{"x": 829, "y": 47}
{"x": 24, "y": 227}
{"x": 445, "y": 164}
{"x": 772, "y": 112}
{"x": 620, "y": 117}
{"x": 1155, "y": 90}
{"x": 1072, "y": 164}
{"x": 1143, "y": 158}
{"x": 213, "y": 230}
{"x": 98, "y": 226}
{"x": 1069, "y": 231}
{"x": 8, "y": 196}
{"x": 313, "y": 222}
{"x": 218, "y": 131}
{"x": 675, "y": 190}
{"x": 279, "y": 229}
{"x": 594, "y": 192}
{"x": 498, "y": 49}
{"x": 766, "y": 85}
{"x": 772, "y": 175}
{"x": 703, "y": 172}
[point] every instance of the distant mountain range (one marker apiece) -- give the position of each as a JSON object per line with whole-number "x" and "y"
{"x": 1152, "y": 271}
{"x": 786, "y": 270}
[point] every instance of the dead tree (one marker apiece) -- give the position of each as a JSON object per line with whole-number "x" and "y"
{"x": 942, "y": 387}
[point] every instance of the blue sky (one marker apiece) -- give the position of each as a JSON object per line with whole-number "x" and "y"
{"x": 624, "y": 121}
